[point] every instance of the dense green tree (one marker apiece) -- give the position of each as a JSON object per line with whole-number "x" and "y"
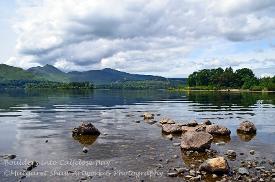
{"x": 218, "y": 78}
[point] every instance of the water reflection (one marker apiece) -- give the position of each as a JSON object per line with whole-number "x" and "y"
{"x": 85, "y": 140}
{"x": 246, "y": 137}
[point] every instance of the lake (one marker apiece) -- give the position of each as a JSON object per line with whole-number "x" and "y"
{"x": 129, "y": 149}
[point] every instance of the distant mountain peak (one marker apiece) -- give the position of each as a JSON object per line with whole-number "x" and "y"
{"x": 47, "y": 68}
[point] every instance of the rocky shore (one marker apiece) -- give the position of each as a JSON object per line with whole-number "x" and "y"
{"x": 202, "y": 163}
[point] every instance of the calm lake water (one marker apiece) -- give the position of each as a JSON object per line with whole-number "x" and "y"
{"x": 127, "y": 150}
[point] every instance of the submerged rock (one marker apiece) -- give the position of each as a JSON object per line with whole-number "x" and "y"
{"x": 215, "y": 165}
{"x": 86, "y": 129}
{"x": 196, "y": 141}
{"x": 217, "y": 130}
{"x": 247, "y": 127}
{"x": 148, "y": 115}
{"x": 171, "y": 128}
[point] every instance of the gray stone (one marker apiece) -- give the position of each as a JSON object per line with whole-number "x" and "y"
{"x": 252, "y": 152}
{"x": 196, "y": 141}
{"x": 243, "y": 171}
{"x": 247, "y": 127}
{"x": 171, "y": 128}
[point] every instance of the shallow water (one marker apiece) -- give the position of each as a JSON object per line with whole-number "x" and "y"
{"x": 127, "y": 150}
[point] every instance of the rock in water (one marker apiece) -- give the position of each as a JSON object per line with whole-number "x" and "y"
{"x": 171, "y": 128}
{"x": 217, "y": 130}
{"x": 148, "y": 115}
{"x": 167, "y": 121}
{"x": 192, "y": 123}
{"x": 32, "y": 165}
{"x": 196, "y": 141}
{"x": 247, "y": 127}
{"x": 207, "y": 122}
{"x": 231, "y": 153}
{"x": 86, "y": 129}
{"x": 85, "y": 149}
{"x": 215, "y": 165}
{"x": 10, "y": 156}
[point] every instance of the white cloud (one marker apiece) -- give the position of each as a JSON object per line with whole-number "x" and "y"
{"x": 143, "y": 36}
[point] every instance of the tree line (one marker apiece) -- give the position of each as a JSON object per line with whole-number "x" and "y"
{"x": 35, "y": 84}
{"x": 228, "y": 78}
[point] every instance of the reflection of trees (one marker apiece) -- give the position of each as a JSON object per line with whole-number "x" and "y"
{"x": 230, "y": 98}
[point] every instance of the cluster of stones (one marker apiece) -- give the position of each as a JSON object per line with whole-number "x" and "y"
{"x": 198, "y": 137}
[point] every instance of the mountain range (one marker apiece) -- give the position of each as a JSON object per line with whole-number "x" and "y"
{"x": 98, "y": 77}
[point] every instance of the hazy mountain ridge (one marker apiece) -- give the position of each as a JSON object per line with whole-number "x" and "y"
{"x": 51, "y": 73}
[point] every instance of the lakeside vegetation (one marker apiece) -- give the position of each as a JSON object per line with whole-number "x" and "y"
{"x": 35, "y": 84}
{"x": 219, "y": 79}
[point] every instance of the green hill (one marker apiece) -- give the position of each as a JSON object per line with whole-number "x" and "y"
{"x": 14, "y": 73}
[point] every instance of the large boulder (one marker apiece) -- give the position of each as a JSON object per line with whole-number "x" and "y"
{"x": 148, "y": 115}
{"x": 247, "y": 127}
{"x": 86, "y": 129}
{"x": 198, "y": 141}
{"x": 217, "y": 130}
{"x": 171, "y": 128}
{"x": 215, "y": 165}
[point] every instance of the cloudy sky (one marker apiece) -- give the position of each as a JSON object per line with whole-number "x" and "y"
{"x": 170, "y": 38}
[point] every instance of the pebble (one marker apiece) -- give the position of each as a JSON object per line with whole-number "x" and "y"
{"x": 172, "y": 174}
{"x": 220, "y": 143}
{"x": 181, "y": 170}
{"x": 46, "y": 141}
{"x": 260, "y": 168}
{"x": 231, "y": 153}
{"x": 11, "y": 156}
{"x": 175, "y": 156}
{"x": 85, "y": 149}
{"x": 137, "y": 121}
{"x": 170, "y": 137}
{"x": 32, "y": 165}
{"x": 214, "y": 176}
{"x": 192, "y": 173}
{"x": 252, "y": 152}
{"x": 243, "y": 171}
{"x": 176, "y": 144}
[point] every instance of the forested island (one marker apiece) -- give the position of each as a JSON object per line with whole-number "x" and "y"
{"x": 218, "y": 79}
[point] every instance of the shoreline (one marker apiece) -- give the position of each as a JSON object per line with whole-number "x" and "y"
{"x": 223, "y": 90}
